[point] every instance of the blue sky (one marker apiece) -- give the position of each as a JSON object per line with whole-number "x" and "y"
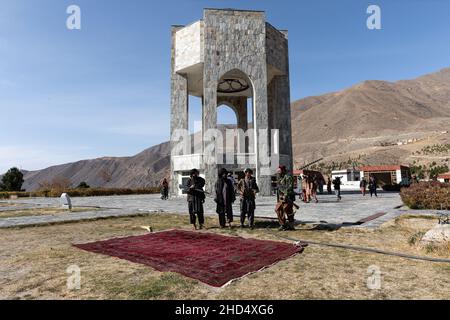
{"x": 104, "y": 90}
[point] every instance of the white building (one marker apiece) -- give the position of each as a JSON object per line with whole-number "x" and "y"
{"x": 385, "y": 175}
{"x": 444, "y": 178}
{"x": 350, "y": 179}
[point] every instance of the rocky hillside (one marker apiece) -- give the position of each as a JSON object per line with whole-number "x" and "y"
{"x": 376, "y": 122}
{"x": 145, "y": 169}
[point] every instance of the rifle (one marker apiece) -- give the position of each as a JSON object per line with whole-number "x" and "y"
{"x": 187, "y": 189}
{"x": 202, "y": 191}
{"x": 282, "y": 201}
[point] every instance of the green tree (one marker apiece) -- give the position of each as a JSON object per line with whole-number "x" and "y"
{"x": 418, "y": 171}
{"x": 83, "y": 185}
{"x": 12, "y": 180}
{"x": 435, "y": 171}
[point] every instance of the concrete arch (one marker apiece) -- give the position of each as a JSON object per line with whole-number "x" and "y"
{"x": 237, "y": 101}
{"x": 239, "y": 106}
{"x": 222, "y": 102}
{"x": 236, "y": 73}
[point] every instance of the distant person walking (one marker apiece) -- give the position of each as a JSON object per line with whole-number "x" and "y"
{"x": 321, "y": 184}
{"x": 329, "y": 190}
{"x": 196, "y": 197}
{"x": 308, "y": 186}
{"x": 305, "y": 188}
{"x": 247, "y": 189}
{"x": 164, "y": 185}
{"x": 337, "y": 187}
{"x": 363, "y": 186}
{"x": 314, "y": 187}
{"x": 300, "y": 186}
{"x": 225, "y": 197}
{"x": 373, "y": 186}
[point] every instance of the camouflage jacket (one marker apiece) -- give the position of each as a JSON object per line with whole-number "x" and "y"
{"x": 286, "y": 186}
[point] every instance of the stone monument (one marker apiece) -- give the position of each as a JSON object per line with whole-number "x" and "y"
{"x": 66, "y": 202}
{"x": 236, "y": 58}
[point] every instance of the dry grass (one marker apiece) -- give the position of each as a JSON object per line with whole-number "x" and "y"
{"x": 41, "y": 212}
{"x": 7, "y": 204}
{"x": 33, "y": 264}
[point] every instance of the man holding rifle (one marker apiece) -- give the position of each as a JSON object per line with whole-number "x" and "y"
{"x": 196, "y": 197}
{"x": 286, "y": 198}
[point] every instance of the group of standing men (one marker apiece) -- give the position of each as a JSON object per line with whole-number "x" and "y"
{"x": 246, "y": 190}
{"x": 224, "y": 198}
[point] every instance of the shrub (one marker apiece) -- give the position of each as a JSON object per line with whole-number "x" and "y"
{"x": 83, "y": 185}
{"x": 427, "y": 195}
{"x": 392, "y": 187}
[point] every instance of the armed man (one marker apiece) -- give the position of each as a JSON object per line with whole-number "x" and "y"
{"x": 196, "y": 197}
{"x": 247, "y": 189}
{"x": 286, "y": 198}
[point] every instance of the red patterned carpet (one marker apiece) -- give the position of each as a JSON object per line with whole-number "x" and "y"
{"x": 210, "y": 258}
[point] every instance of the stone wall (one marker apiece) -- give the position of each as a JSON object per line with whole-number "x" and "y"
{"x": 189, "y": 46}
{"x": 179, "y": 105}
{"x": 280, "y": 114}
{"x": 277, "y": 49}
{"x": 279, "y": 91}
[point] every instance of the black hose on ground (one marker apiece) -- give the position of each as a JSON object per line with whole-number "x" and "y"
{"x": 363, "y": 249}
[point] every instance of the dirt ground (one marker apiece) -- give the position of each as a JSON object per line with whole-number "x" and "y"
{"x": 34, "y": 261}
{"x": 7, "y": 204}
{"x": 40, "y": 212}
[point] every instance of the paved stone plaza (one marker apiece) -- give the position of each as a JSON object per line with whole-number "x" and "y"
{"x": 351, "y": 209}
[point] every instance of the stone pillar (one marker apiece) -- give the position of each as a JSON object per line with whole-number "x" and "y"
{"x": 261, "y": 122}
{"x": 209, "y": 142}
{"x": 280, "y": 117}
{"x": 242, "y": 116}
{"x": 279, "y": 92}
{"x": 179, "y": 108}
